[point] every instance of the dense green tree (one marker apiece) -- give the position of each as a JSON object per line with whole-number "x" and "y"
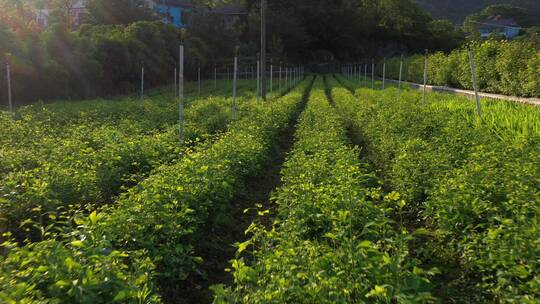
{"x": 351, "y": 29}
{"x": 457, "y": 10}
{"x": 445, "y": 36}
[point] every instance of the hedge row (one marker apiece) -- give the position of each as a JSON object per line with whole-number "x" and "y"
{"x": 505, "y": 67}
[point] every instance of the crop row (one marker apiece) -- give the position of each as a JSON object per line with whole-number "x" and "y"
{"x": 151, "y": 233}
{"x": 94, "y": 120}
{"x": 83, "y": 175}
{"x": 333, "y": 240}
{"x": 94, "y": 167}
{"x": 472, "y": 187}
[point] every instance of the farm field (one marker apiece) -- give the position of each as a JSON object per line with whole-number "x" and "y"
{"x": 328, "y": 193}
{"x": 64, "y": 155}
{"x": 269, "y": 152}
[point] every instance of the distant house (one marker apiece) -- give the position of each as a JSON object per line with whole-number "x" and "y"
{"x": 42, "y": 17}
{"x": 77, "y": 10}
{"x": 498, "y": 26}
{"x": 175, "y": 12}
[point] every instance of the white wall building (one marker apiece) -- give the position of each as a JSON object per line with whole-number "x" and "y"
{"x": 76, "y": 12}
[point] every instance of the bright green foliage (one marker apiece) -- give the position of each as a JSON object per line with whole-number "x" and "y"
{"x": 81, "y": 269}
{"x": 333, "y": 241}
{"x": 110, "y": 255}
{"x": 473, "y": 186}
{"x": 100, "y": 156}
{"x": 166, "y": 213}
{"x": 505, "y": 67}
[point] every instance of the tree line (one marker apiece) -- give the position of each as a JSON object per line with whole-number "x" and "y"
{"x": 104, "y": 55}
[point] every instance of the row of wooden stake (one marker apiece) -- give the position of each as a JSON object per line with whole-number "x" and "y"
{"x": 292, "y": 77}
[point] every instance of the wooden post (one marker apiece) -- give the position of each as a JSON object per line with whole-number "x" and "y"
{"x": 280, "y": 78}
{"x": 384, "y": 73}
{"x": 365, "y": 72}
{"x": 263, "y": 49}
{"x": 372, "y": 74}
{"x": 475, "y": 85}
{"x": 175, "y": 83}
{"x": 425, "y": 76}
{"x": 271, "y": 78}
{"x": 181, "y": 94}
{"x": 8, "y": 72}
{"x": 258, "y": 79}
{"x": 400, "y": 72}
{"x": 142, "y": 83}
{"x": 215, "y": 77}
{"x": 234, "y": 83}
{"x": 199, "y": 80}
{"x": 286, "y": 78}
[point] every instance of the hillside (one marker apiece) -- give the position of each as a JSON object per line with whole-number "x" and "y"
{"x": 457, "y": 10}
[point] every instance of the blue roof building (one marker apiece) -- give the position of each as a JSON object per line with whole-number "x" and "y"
{"x": 175, "y": 12}
{"x": 505, "y": 27}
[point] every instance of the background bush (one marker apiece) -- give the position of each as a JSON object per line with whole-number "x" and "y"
{"x": 504, "y": 67}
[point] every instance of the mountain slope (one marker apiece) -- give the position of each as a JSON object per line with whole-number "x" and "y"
{"x": 457, "y": 10}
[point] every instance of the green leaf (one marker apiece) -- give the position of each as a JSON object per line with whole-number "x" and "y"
{"x": 94, "y": 217}
{"x": 77, "y": 243}
{"x": 330, "y": 235}
{"x": 378, "y": 292}
{"x": 122, "y": 295}
{"x": 198, "y": 260}
{"x": 61, "y": 283}
{"x": 243, "y": 246}
{"x": 365, "y": 244}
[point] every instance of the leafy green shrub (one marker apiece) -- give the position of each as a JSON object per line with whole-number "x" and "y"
{"x": 532, "y": 82}
{"x": 512, "y": 63}
{"x": 506, "y": 67}
{"x": 82, "y": 268}
{"x": 487, "y": 216}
